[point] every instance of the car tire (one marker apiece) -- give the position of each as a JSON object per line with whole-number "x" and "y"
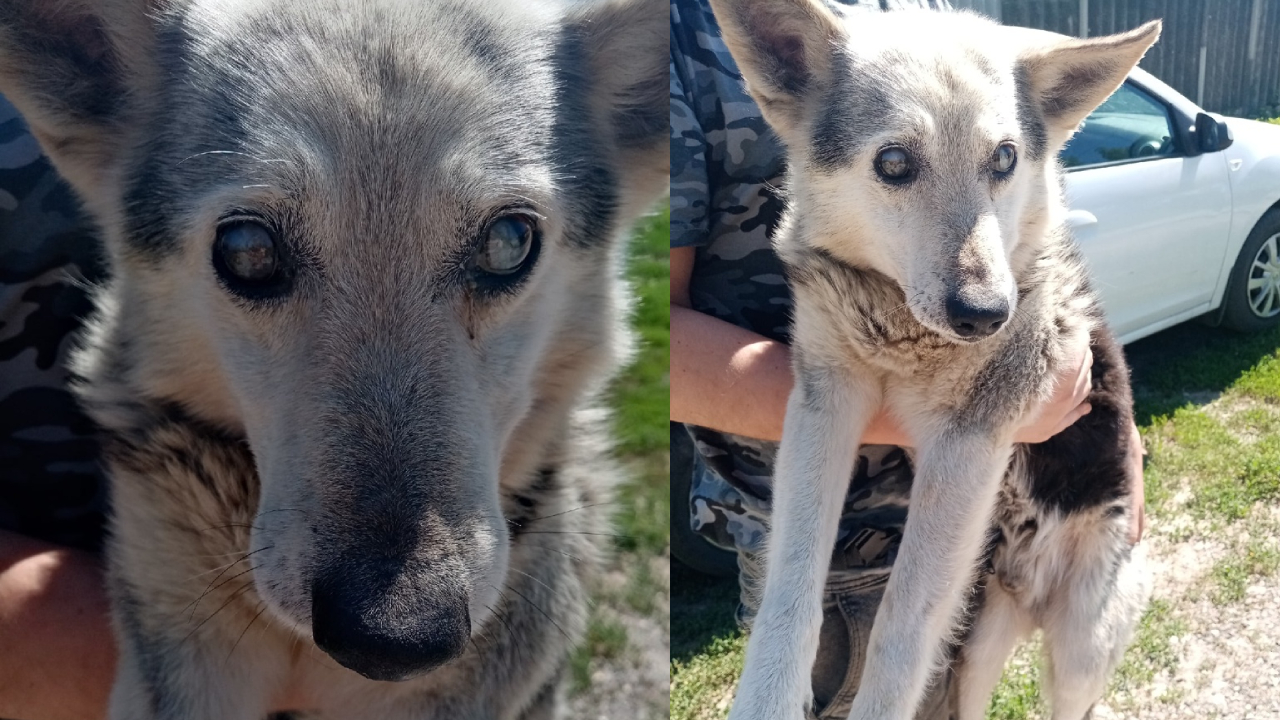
{"x": 688, "y": 546}
{"x": 1250, "y": 310}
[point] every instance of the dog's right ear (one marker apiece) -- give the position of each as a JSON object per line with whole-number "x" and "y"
{"x": 783, "y": 48}
{"x": 69, "y": 66}
{"x": 1072, "y": 77}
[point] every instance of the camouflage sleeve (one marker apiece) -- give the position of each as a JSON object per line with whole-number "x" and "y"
{"x": 690, "y": 187}
{"x": 50, "y": 484}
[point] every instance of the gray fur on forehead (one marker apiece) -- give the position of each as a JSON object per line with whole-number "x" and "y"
{"x": 893, "y": 62}
{"x": 385, "y": 96}
{"x": 407, "y": 72}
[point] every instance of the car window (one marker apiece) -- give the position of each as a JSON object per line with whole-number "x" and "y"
{"x": 1129, "y": 125}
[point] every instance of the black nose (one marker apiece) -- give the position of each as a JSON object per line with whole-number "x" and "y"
{"x": 388, "y": 637}
{"x": 977, "y": 319}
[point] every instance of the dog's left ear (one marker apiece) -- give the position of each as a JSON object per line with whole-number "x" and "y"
{"x": 619, "y": 52}
{"x": 72, "y": 68}
{"x": 1071, "y": 78}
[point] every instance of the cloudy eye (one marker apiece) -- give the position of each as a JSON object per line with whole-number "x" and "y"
{"x": 1004, "y": 160}
{"x": 508, "y": 242}
{"x": 247, "y": 251}
{"x": 894, "y": 165}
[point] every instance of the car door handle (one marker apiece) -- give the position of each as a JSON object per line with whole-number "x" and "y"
{"x": 1080, "y": 218}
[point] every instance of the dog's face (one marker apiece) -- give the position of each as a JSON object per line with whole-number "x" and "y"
{"x": 365, "y": 235}
{"x": 922, "y": 145}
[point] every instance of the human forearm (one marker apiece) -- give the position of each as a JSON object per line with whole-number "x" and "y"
{"x": 731, "y": 379}
{"x": 58, "y": 657}
{"x": 726, "y": 377}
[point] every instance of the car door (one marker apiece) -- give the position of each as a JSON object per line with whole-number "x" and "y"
{"x": 1152, "y": 222}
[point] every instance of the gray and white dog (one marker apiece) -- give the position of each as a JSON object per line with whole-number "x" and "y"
{"x": 933, "y": 276}
{"x": 364, "y": 284}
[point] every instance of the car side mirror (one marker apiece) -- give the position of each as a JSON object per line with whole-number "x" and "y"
{"x": 1212, "y": 134}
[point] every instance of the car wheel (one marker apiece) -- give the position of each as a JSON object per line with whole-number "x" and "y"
{"x": 1253, "y": 292}
{"x": 688, "y": 546}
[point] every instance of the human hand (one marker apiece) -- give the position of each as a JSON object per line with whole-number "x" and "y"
{"x": 1138, "y": 509}
{"x": 1068, "y": 402}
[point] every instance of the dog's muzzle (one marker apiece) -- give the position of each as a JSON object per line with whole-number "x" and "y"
{"x": 387, "y": 638}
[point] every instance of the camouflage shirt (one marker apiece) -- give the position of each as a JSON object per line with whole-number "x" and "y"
{"x": 726, "y": 168}
{"x": 50, "y": 485}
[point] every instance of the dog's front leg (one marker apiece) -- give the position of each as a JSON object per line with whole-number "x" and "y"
{"x": 826, "y": 413}
{"x": 957, "y": 475}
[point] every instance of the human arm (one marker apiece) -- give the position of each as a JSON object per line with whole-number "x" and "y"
{"x": 731, "y": 379}
{"x": 59, "y": 655}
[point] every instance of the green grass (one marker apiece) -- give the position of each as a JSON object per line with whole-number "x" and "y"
{"x": 605, "y": 639}
{"x": 706, "y": 645}
{"x": 639, "y": 398}
{"x": 1260, "y": 558}
{"x": 1152, "y": 651}
{"x": 700, "y": 685}
{"x": 1018, "y": 695}
{"x": 1220, "y": 462}
{"x": 641, "y": 395}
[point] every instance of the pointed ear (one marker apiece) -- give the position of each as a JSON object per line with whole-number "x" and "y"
{"x": 620, "y": 55}
{"x": 1067, "y": 80}
{"x": 68, "y": 66}
{"x": 783, "y": 48}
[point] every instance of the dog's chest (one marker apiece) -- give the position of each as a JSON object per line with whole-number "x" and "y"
{"x": 861, "y": 320}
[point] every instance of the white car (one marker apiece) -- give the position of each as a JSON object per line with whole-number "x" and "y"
{"x": 1176, "y": 211}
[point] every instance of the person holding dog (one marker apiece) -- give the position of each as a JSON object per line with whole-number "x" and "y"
{"x": 731, "y": 366}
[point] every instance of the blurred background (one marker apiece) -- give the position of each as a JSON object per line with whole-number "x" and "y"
{"x": 621, "y": 672}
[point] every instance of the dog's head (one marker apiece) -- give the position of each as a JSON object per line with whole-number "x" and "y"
{"x": 377, "y": 238}
{"x": 921, "y": 144}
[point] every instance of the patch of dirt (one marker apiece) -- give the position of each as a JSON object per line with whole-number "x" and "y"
{"x": 1229, "y": 655}
{"x": 636, "y": 684}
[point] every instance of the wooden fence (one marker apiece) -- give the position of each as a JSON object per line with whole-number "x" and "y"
{"x": 1224, "y": 54}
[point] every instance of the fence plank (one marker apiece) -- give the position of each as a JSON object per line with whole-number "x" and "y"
{"x": 1241, "y": 41}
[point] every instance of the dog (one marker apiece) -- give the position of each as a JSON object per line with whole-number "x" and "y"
{"x": 364, "y": 289}
{"x": 933, "y": 275}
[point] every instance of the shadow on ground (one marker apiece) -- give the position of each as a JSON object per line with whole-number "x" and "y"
{"x": 702, "y": 610}
{"x": 1191, "y": 364}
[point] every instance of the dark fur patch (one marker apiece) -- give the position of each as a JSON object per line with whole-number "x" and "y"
{"x": 148, "y": 200}
{"x": 852, "y": 106}
{"x": 483, "y": 41}
{"x": 71, "y": 57}
{"x": 165, "y": 436}
{"x": 1087, "y": 465}
{"x": 577, "y": 151}
{"x": 1030, "y": 120}
{"x": 529, "y": 502}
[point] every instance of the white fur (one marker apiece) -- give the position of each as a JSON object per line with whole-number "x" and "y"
{"x": 872, "y": 264}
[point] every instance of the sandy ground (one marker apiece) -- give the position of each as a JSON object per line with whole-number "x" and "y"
{"x": 635, "y": 685}
{"x": 1229, "y": 654}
